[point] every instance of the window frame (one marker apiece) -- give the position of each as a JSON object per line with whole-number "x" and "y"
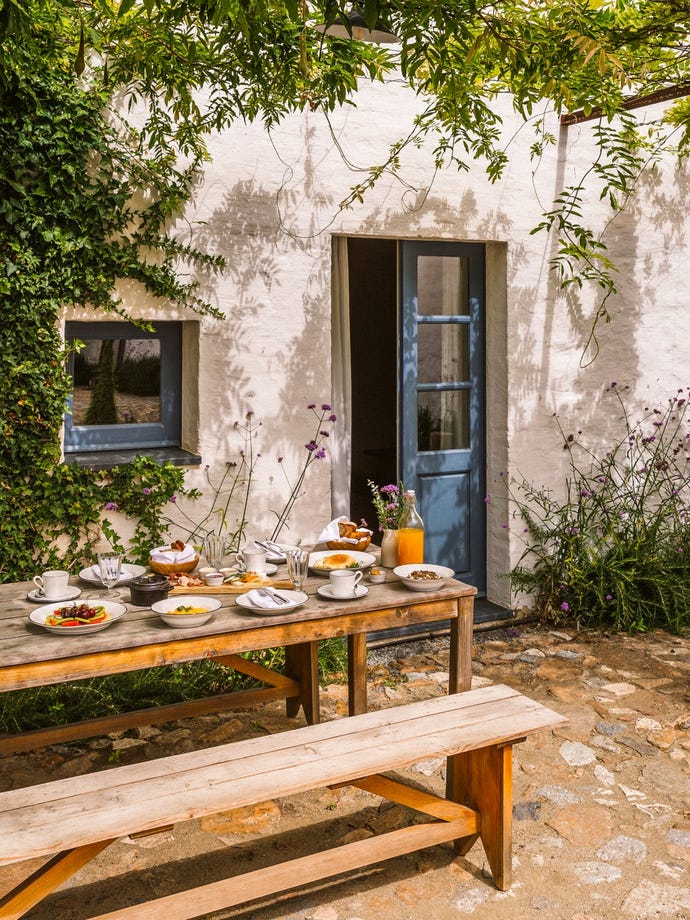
{"x": 167, "y": 432}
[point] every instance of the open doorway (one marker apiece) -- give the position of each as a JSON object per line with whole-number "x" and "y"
{"x": 372, "y": 269}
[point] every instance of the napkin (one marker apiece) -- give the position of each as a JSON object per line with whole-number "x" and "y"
{"x": 331, "y": 532}
{"x": 173, "y": 557}
{"x": 263, "y": 600}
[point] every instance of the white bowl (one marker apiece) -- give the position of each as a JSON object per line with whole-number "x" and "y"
{"x": 183, "y": 620}
{"x": 442, "y": 572}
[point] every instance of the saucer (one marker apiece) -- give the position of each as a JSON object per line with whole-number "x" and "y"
{"x": 327, "y": 592}
{"x": 42, "y": 599}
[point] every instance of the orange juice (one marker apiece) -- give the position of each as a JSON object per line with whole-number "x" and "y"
{"x": 410, "y": 545}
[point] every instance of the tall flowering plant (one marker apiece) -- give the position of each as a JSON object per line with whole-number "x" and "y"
{"x": 389, "y": 504}
{"x": 315, "y": 449}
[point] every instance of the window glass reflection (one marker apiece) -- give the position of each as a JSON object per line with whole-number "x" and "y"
{"x": 117, "y": 382}
{"x": 443, "y": 353}
{"x": 443, "y": 420}
{"x": 443, "y": 286}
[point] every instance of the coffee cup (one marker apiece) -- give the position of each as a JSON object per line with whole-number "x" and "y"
{"x": 253, "y": 559}
{"x": 344, "y": 582}
{"x": 214, "y": 579}
{"x": 52, "y": 585}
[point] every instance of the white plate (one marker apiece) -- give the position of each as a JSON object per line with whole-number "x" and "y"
{"x": 327, "y": 592}
{"x": 185, "y": 620}
{"x": 39, "y": 598}
{"x": 127, "y": 573}
{"x": 362, "y": 560}
{"x": 114, "y": 611}
{"x": 297, "y": 598}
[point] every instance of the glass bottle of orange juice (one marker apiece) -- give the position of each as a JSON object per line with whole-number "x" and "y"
{"x": 410, "y": 532}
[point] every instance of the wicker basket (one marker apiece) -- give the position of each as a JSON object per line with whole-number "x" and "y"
{"x": 359, "y": 547}
{"x": 169, "y": 568}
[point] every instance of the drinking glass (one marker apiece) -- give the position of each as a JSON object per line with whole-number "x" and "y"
{"x": 297, "y": 566}
{"x": 215, "y": 548}
{"x": 109, "y": 566}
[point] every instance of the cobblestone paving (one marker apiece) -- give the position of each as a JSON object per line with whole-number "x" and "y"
{"x": 601, "y": 807}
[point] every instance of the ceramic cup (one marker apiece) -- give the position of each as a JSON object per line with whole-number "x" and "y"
{"x": 214, "y": 579}
{"x": 344, "y": 582}
{"x": 52, "y": 584}
{"x": 253, "y": 559}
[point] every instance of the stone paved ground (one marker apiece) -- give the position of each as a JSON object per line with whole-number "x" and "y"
{"x": 601, "y": 807}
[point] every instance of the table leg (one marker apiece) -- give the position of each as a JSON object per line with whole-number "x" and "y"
{"x": 357, "y": 673}
{"x": 461, "y": 631}
{"x": 460, "y": 668}
{"x": 302, "y": 664}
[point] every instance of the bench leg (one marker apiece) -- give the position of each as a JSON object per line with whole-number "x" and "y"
{"x": 302, "y": 665}
{"x": 483, "y": 780}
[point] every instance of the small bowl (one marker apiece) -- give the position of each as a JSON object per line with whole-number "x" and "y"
{"x": 165, "y": 609}
{"x": 377, "y": 576}
{"x": 214, "y": 579}
{"x": 440, "y": 575}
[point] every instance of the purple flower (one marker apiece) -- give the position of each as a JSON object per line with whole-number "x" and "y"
{"x": 487, "y": 499}
{"x": 333, "y": 417}
{"x": 609, "y": 597}
{"x": 389, "y": 490}
{"x": 311, "y": 445}
{"x": 326, "y": 407}
{"x": 111, "y": 506}
{"x": 173, "y": 499}
{"x": 565, "y": 606}
{"x": 320, "y": 453}
{"x": 585, "y": 493}
{"x": 311, "y": 406}
{"x": 280, "y": 459}
{"x": 324, "y": 434}
{"x": 146, "y": 490}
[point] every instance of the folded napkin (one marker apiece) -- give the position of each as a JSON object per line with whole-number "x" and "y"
{"x": 332, "y": 532}
{"x": 263, "y": 600}
{"x": 173, "y": 557}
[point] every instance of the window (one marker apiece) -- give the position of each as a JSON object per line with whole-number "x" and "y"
{"x": 127, "y": 389}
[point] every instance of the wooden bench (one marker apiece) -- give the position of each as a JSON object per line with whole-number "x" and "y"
{"x": 78, "y": 817}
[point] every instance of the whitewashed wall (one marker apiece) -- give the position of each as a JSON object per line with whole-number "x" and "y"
{"x": 270, "y": 205}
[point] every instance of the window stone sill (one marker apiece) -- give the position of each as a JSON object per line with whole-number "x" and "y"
{"x": 106, "y": 459}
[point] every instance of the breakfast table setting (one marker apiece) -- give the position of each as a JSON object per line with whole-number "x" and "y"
{"x": 114, "y": 617}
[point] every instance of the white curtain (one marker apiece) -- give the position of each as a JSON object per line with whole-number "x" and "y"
{"x": 341, "y": 456}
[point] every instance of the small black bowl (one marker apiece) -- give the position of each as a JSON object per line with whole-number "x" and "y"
{"x": 147, "y": 589}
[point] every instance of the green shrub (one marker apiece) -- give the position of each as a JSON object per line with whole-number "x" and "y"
{"x": 615, "y": 550}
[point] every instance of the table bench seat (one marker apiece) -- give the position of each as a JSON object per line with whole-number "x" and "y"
{"x": 79, "y": 816}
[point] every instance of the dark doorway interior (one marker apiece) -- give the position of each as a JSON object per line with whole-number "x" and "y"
{"x": 372, "y": 266}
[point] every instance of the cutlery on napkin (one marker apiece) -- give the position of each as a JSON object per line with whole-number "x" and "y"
{"x": 261, "y": 597}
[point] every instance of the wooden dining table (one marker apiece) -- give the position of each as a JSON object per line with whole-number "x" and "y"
{"x": 30, "y": 656}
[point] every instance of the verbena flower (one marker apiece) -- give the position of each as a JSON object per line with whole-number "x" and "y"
{"x": 389, "y": 504}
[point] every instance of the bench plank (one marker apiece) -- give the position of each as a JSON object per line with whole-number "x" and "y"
{"x": 80, "y": 810}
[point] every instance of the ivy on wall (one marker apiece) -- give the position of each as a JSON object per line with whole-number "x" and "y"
{"x": 70, "y": 227}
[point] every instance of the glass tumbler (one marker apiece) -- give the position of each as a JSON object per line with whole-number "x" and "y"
{"x": 109, "y": 567}
{"x": 215, "y": 548}
{"x": 297, "y": 566}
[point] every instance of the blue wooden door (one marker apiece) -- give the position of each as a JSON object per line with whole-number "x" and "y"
{"x": 442, "y": 406}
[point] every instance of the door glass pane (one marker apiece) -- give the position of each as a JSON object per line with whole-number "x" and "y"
{"x": 443, "y": 420}
{"x": 117, "y": 382}
{"x": 443, "y": 353}
{"x": 443, "y": 286}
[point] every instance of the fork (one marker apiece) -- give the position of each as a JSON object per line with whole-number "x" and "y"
{"x": 264, "y": 592}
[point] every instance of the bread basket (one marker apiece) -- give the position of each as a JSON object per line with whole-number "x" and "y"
{"x": 169, "y": 568}
{"x": 349, "y": 533}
